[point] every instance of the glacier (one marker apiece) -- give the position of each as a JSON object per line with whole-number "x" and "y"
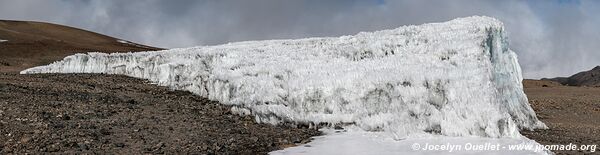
{"x": 456, "y": 78}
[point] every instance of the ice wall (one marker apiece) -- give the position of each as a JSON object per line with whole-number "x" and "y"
{"x": 457, "y": 78}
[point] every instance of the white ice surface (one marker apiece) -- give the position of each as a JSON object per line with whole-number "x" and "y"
{"x": 457, "y": 78}
{"x": 377, "y": 143}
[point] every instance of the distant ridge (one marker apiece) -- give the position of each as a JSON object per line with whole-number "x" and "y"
{"x": 25, "y": 44}
{"x": 589, "y": 78}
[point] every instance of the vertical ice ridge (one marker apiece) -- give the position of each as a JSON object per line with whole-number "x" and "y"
{"x": 457, "y": 78}
{"x": 508, "y": 79}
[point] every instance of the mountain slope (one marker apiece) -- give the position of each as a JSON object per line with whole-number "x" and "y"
{"x": 26, "y": 44}
{"x": 586, "y": 78}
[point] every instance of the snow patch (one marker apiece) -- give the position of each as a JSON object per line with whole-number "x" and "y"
{"x": 376, "y": 143}
{"x": 457, "y": 78}
{"x": 131, "y": 43}
{"x": 123, "y": 42}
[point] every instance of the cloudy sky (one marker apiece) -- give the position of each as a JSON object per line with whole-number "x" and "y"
{"x": 551, "y": 37}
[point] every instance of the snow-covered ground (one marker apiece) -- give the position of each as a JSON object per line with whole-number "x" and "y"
{"x": 377, "y": 143}
{"x": 457, "y": 78}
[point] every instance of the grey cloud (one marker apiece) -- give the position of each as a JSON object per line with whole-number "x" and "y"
{"x": 552, "y": 38}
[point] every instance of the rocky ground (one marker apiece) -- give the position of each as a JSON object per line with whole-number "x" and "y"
{"x": 571, "y": 113}
{"x": 110, "y": 114}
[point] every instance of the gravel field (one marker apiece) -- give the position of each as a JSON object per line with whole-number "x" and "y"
{"x": 111, "y": 114}
{"x": 571, "y": 113}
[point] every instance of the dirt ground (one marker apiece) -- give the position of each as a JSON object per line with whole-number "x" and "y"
{"x": 571, "y": 113}
{"x": 110, "y": 114}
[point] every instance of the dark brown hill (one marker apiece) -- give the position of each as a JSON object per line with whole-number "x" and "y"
{"x": 589, "y": 78}
{"x": 25, "y": 44}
